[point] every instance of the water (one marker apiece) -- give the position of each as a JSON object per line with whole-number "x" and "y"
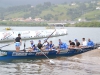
{"x": 84, "y": 64}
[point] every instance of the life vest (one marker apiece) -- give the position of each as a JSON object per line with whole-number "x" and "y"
{"x": 51, "y": 45}
{"x": 33, "y": 46}
{"x": 47, "y": 46}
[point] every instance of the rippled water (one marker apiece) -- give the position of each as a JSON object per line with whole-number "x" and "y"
{"x": 83, "y": 64}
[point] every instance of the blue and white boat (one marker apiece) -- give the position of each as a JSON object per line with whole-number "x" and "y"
{"x": 12, "y": 55}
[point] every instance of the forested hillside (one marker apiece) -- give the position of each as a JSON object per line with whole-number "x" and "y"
{"x": 48, "y": 11}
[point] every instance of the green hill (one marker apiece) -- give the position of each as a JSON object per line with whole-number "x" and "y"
{"x": 50, "y": 11}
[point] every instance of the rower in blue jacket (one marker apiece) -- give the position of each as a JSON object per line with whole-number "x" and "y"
{"x": 62, "y": 45}
{"x": 90, "y": 43}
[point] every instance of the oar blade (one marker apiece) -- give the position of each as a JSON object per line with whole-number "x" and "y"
{"x": 52, "y": 62}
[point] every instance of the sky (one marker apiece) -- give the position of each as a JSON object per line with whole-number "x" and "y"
{"x": 32, "y": 2}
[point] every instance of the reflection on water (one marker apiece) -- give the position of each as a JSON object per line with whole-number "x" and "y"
{"x": 84, "y": 64}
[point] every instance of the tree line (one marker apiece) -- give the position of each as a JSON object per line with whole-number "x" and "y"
{"x": 44, "y": 24}
{"x": 84, "y": 24}
{"x": 17, "y": 23}
{"x": 34, "y": 11}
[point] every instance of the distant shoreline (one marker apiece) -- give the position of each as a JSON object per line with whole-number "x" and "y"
{"x": 45, "y": 24}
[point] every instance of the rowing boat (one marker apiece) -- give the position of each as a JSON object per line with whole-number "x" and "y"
{"x": 10, "y": 55}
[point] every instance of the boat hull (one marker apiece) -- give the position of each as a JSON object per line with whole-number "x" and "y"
{"x": 12, "y": 55}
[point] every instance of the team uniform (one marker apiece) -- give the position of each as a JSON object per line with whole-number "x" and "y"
{"x": 33, "y": 47}
{"x": 84, "y": 43}
{"x": 77, "y": 44}
{"x": 90, "y": 44}
{"x": 47, "y": 47}
{"x": 39, "y": 46}
{"x": 63, "y": 46}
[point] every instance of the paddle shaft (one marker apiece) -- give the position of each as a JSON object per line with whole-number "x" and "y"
{"x": 45, "y": 55}
{"x": 49, "y": 36}
{"x": 43, "y": 43}
{"x": 6, "y": 45}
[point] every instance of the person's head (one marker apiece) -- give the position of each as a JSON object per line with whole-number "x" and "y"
{"x": 83, "y": 39}
{"x": 70, "y": 41}
{"x": 31, "y": 41}
{"x": 89, "y": 40}
{"x": 76, "y": 40}
{"x": 39, "y": 41}
{"x": 19, "y": 35}
{"x": 45, "y": 40}
{"x": 50, "y": 42}
{"x": 59, "y": 40}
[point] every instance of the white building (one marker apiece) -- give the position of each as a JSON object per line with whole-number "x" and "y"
{"x": 98, "y": 8}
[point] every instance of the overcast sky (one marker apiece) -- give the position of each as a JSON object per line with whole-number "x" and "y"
{"x": 32, "y": 2}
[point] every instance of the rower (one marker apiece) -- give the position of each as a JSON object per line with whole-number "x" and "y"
{"x": 62, "y": 45}
{"x": 84, "y": 43}
{"x": 77, "y": 44}
{"x": 33, "y": 47}
{"x": 47, "y": 46}
{"x": 71, "y": 44}
{"x": 90, "y": 43}
{"x": 40, "y": 46}
{"x": 18, "y": 42}
{"x": 45, "y": 42}
{"x": 51, "y": 45}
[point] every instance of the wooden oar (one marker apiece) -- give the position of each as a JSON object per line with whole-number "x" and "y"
{"x": 52, "y": 62}
{"x": 50, "y": 35}
{"x": 6, "y": 45}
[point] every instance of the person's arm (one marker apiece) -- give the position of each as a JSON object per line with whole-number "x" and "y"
{"x": 53, "y": 46}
